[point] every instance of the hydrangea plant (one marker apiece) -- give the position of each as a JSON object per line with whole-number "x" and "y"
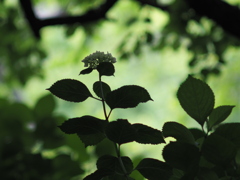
{"x": 210, "y": 152}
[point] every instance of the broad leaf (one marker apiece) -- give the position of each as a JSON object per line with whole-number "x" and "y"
{"x": 92, "y": 139}
{"x": 98, "y": 174}
{"x": 147, "y": 135}
{"x": 70, "y": 90}
{"x": 207, "y": 174}
{"x": 197, "y": 133}
{"x": 127, "y": 97}
{"x": 218, "y": 149}
{"x": 153, "y": 169}
{"x": 230, "y": 131}
{"x": 218, "y": 115}
{"x": 183, "y": 156}
{"x": 196, "y": 98}
{"x": 112, "y": 163}
{"x": 45, "y": 106}
{"x": 84, "y": 125}
{"x": 101, "y": 88}
{"x": 86, "y": 71}
{"x": 106, "y": 69}
{"x": 178, "y": 131}
{"x": 120, "y": 131}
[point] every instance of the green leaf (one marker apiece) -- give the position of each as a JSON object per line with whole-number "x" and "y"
{"x": 178, "y": 131}
{"x": 86, "y": 71}
{"x": 183, "y": 156}
{"x": 218, "y": 115}
{"x": 98, "y": 174}
{"x": 120, "y": 131}
{"x": 218, "y": 149}
{"x": 206, "y": 174}
{"x": 127, "y": 97}
{"x": 100, "y": 86}
{"x": 106, "y": 69}
{"x": 147, "y": 135}
{"x": 84, "y": 125}
{"x": 91, "y": 139}
{"x": 230, "y": 131}
{"x": 45, "y": 106}
{"x": 153, "y": 169}
{"x": 113, "y": 164}
{"x": 70, "y": 90}
{"x": 196, "y": 98}
{"x": 197, "y": 133}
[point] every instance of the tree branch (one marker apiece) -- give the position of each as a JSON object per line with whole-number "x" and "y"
{"x": 224, "y": 14}
{"x": 36, "y": 24}
{"x": 154, "y": 3}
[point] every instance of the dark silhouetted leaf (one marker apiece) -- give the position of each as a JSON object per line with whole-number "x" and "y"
{"x": 97, "y": 86}
{"x": 98, "y": 174}
{"x": 196, "y": 98}
{"x": 218, "y": 149}
{"x": 84, "y": 125}
{"x": 70, "y": 90}
{"x": 113, "y": 164}
{"x": 92, "y": 139}
{"x": 183, "y": 156}
{"x": 106, "y": 69}
{"x": 178, "y": 131}
{"x": 45, "y": 106}
{"x": 230, "y": 131}
{"x": 218, "y": 115}
{"x": 154, "y": 169}
{"x": 86, "y": 71}
{"x": 120, "y": 131}
{"x": 147, "y": 135}
{"x": 197, "y": 133}
{"x": 207, "y": 174}
{"x": 127, "y": 97}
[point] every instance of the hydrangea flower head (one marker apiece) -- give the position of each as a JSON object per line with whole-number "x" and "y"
{"x": 94, "y": 59}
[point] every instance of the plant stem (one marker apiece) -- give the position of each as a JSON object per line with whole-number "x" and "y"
{"x": 103, "y": 100}
{"x": 117, "y": 148}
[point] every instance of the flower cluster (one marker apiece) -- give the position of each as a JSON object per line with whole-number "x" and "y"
{"x": 94, "y": 59}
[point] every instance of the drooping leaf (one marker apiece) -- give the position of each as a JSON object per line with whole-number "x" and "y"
{"x": 45, "y": 106}
{"x": 86, "y": 71}
{"x": 100, "y": 86}
{"x": 91, "y": 139}
{"x": 218, "y": 149}
{"x": 147, "y": 135}
{"x": 127, "y": 97}
{"x": 112, "y": 163}
{"x": 196, "y": 98}
{"x": 70, "y": 90}
{"x": 183, "y": 156}
{"x": 178, "y": 131}
{"x": 98, "y": 174}
{"x": 106, "y": 69}
{"x": 153, "y": 169}
{"x": 84, "y": 125}
{"x": 218, "y": 115}
{"x": 230, "y": 131}
{"x": 120, "y": 131}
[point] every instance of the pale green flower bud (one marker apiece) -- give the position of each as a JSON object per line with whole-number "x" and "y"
{"x": 94, "y": 59}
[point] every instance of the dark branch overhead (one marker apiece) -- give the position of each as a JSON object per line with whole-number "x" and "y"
{"x": 154, "y": 3}
{"x": 224, "y": 14}
{"x": 90, "y": 16}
